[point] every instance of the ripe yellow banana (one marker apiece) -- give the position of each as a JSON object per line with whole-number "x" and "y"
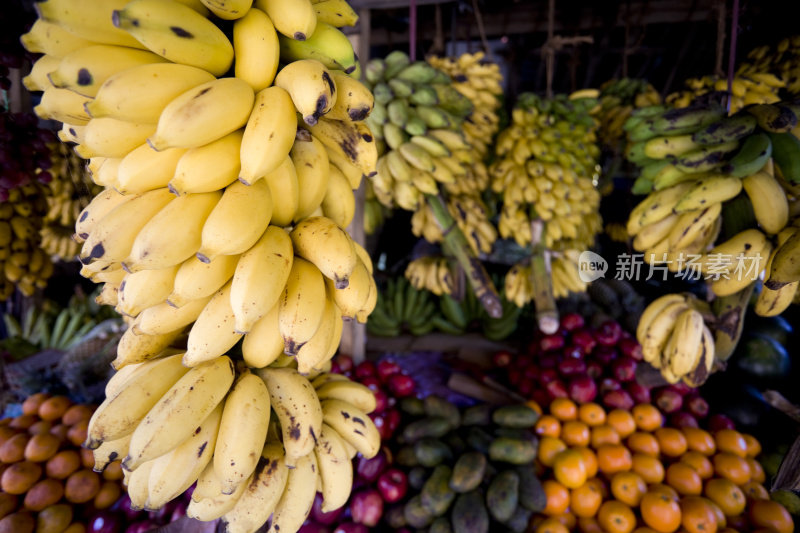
{"x": 652, "y": 234}
{"x": 174, "y": 417}
{"x": 143, "y": 169}
{"x": 354, "y": 297}
{"x": 256, "y": 51}
{"x": 311, "y": 164}
{"x": 298, "y": 497}
{"x": 709, "y": 190}
{"x": 210, "y": 503}
{"x": 688, "y": 344}
{"x": 335, "y": 469}
{"x": 268, "y": 135}
{"x": 229, "y": 9}
{"x": 260, "y": 277}
{"x": 348, "y": 169}
{"x": 310, "y": 86}
{"x": 140, "y": 290}
{"x": 174, "y": 234}
{"x": 336, "y": 13}
{"x": 37, "y": 79}
{"x": 177, "y": 33}
{"x": 63, "y": 105}
{"x": 135, "y": 347}
{"x": 87, "y": 20}
{"x": 659, "y": 329}
{"x": 101, "y": 205}
{"x": 263, "y": 344}
{"x": 140, "y": 94}
{"x": 348, "y": 391}
{"x": 354, "y": 101}
{"x": 295, "y": 19}
{"x": 770, "y": 204}
{"x": 692, "y": 224}
{"x": 353, "y": 425}
{"x": 295, "y": 401}
{"x": 109, "y": 137}
{"x": 165, "y": 318}
{"x": 119, "y": 415}
{"x": 339, "y": 203}
{"x": 136, "y": 484}
{"x": 212, "y": 334}
{"x": 109, "y": 451}
{"x": 52, "y": 40}
{"x": 196, "y": 279}
{"x": 313, "y": 353}
{"x": 655, "y": 207}
{"x": 204, "y": 114}
{"x": 210, "y": 167}
{"x": 242, "y": 433}
{"x": 327, "y": 246}
{"x": 353, "y": 141}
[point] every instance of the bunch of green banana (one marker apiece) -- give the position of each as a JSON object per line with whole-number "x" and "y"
{"x": 547, "y": 162}
{"x": 781, "y": 61}
{"x": 67, "y": 193}
{"x": 431, "y": 274}
{"x": 618, "y": 98}
{"x": 48, "y": 330}
{"x": 23, "y": 263}
{"x": 402, "y": 307}
{"x": 461, "y": 316}
{"x": 749, "y": 87}
{"x": 676, "y": 340}
{"x": 482, "y": 84}
{"x": 470, "y": 214}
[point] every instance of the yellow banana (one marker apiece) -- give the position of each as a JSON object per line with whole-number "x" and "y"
{"x": 770, "y": 204}
{"x": 268, "y": 135}
{"x": 208, "y": 168}
{"x": 283, "y": 184}
{"x": 212, "y": 334}
{"x": 310, "y": 86}
{"x": 196, "y": 279}
{"x": 140, "y": 290}
{"x": 310, "y": 161}
{"x": 256, "y": 49}
{"x": 295, "y": 19}
{"x": 263, "y": 344}
{"x": 143, "y": 169}
{"x": 302, "y": 305}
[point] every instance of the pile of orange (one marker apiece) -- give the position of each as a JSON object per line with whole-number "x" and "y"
{"x": 623, "y": 471}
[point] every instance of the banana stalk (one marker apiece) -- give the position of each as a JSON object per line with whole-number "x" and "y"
{"x": 730, "y": 312}
{"x": 456, "y": 245}
{"x": 541, "y": 279}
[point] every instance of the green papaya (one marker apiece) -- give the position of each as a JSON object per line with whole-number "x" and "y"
{"x": 515, "y": 416}
{"x": 468, "y": 472}
{"x": 416, "y": 514}
{"x": 477, "y": 415}
{"x": 502, "y": 495}
{"x": 436, "y": 495}
{"x": 431, "y": 452}
{"x": 417, "y": 477}
{"x": 531, "y": 493}
{"x": 412, "y": 406}
{"x": 439, "y": 407}
{"x": 478, "y": 439}
{"x": 518, "y": 523}
{"x": 440, "y": 525}
{"x": 435, "y": 427}
{"x": 514, "y": 451}
{"x": 406, "y": 456}
{"x": 470, "y": 514}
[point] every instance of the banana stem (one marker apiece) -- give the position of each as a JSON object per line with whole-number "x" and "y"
{"x": 542, "y": 281}
{"x": 456, "y": 245}
{"x": 730, "y": 312}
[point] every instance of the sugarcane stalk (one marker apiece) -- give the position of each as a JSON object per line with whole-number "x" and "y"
{"x": 456, "y": 245}
{"x": 542, "y": 280}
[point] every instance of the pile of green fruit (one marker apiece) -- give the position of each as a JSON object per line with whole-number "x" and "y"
{"x": 471, "y": 470}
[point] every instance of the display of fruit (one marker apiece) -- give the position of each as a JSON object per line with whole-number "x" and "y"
{"x": 782, "y": 61}
{"x": 431, "y": 273}
{"x": 68, "y": 193}
{"x": 465, "y": 315}
{"x": 618, "y": 98}
{"x": 481, "y": 82}
{"x": 622, "y": 469}
{"x": 749, "y": 87}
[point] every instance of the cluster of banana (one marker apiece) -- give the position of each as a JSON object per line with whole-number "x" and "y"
{"x": 431, "y": 274}
{"x": 67, "y": 193}
{"x": 618, "y": 98}
{"x": 548, "y": 162}
{"x": 416, "y": 117}
{"x": 471, "y": 216}
{"x": 519, "y": 288}
{"x": 258, "y": 444}
{"x": 225, "y": 197}
{"x": 782, "y": 273}
{"x": 23, "y": 263}
{"x": 750, "y": 87}
{"x": 482, "y": 84}
{"x": 676, "y": 340}
{"x": 783, "y": 61}
{"x": 518, "y": 285}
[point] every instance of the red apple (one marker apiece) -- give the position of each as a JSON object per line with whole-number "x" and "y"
{"x": 549, "y": 359}
{"x": 365, "y": 369}
{"x": 367, "y": 507}
{"x": 386, "y": 368}
{"x": 393, "y": 485}
{"x": 381, "y": 401}
{"x": 547, "y": 375}
{"x": 380, "y": 425}
{"x": 605, "y": 354}
{"x": 351, "y": 527}
{"x": 392, "y": 419}
{"x": 401, "y": 385}
{"x": 630, "y": 348}
{"x": 609, "y": 333}
{"x": 682, "y": 419}
{"x": 618, "y": 399}
{"x": 624, "y": 369}
{"x": 584, "y": 340}
{"x": 582, "y": 389}
{"x": 571, "y": 367}
{"x": 572, "y": 351}
{"x": 370, "y": 469}
{"x": 324, "y": 518}
{"x": 540, "y": 396}
{"x": 371, "y": 382}
{"x": 572, "y": 321}
{"x": 718, "y": 422}
{"x": 639, "y": 393}
{"x": 502, "y": 358}
{"x": 530, "y": 372}
{"x": 682, "y": 388}
{"x": 551, "y": 342}
{"x": 526, "y": 387}
{"x": 594, "y": 369}
{"x": 557, "y": 389}
{"x": 609, "y": 384}
{"x": 345, "y": 363}
{"x": 697, "y": 406}
{"x": 668, "y": 400}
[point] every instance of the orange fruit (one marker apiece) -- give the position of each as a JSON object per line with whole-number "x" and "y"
{"x": 647, "y": 417}
{"x": 755, "y": 491}
{"x": 591, "y": 414}
{"x": 616, "y": 517}
{"x": 567, "y": 519}
{"x": 772, "y": 515}
{"x": 664, "y": 489}
{"x": 557, "y": 497}
{"x": 644, "y": 529}
{"x": 569, "y": 470}
{"x": 549, "y": 447}
{"x": 622, "y": 421}
{"x": 722, "y": 520}
{"x": 604, "y": 434}
{"x": 613, "y": 458}
{"x": 588, "y": 524}
{"x": 727, "y": 495}
{"x": 564, "y": 409}
{"x": 601, "y": 485}
{"x": 731, "y": 441}
{"x": 535, "y": 407}
{"x": 551, "y": 525}
{"x": 585, "y": 500}
{"x": 628, "y": 487}
{"x": 548, "y": 426}
{"x": 641, "y": 442}
{"x": 684, "y": 479}
{"x": 575, "y": 433}
{"x": 731, "y": 467}
{"x": 753, "y": 446}
{"x": 699, "y": 440}
{"x": 697, "y": 516}
{"x": 700, "y": 463}
{"x": 589, "y": 460}
{"x": 660, "y": 512}
{"x": 648, "y": 467}
{"x": 756, "y": 471}
{"x": 671, "y": 441}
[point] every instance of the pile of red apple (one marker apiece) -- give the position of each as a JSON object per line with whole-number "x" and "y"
{"x": 377, "y": 483}
{"x": 596, "y": 365}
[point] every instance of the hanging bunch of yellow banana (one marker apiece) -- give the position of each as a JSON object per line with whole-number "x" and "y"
{"x": 782, "y": 61}
{"x": 749, "y": 87}
{"x": 68, "y": 193}
{"x": 482, "y": 84}
{"x": 433, "y": 274}
{"x": 618, "y": 98}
